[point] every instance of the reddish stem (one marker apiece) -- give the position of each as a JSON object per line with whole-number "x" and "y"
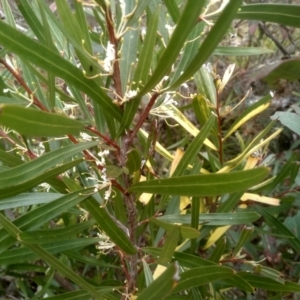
{"x": 106, "y": 139}
{"x": 114, "y": 41}
{"x": 36, "y": 101}
{"x": 143, "y": 117}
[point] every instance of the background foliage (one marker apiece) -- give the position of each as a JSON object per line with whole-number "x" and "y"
{"x": 136, "y": 163}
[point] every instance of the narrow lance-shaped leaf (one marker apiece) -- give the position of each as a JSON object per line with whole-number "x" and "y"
{"x": 48, "y": 176}
{"x": 170, "y": 244}
{"x": 194, "y": 147}
{"x": 211, "y": 42}
{"x": 138, "y": 11}
{"x": 189, "y": 50}
{"x": 193, "y": 261}
{"x": 244, "y": 237}
{"x": 22, "y": 254}
{"x": 218, "y": 251}
{"x": 241, "y": 51}
{"x": 216, "y": 219}
{"x": 129, "y": 50}
{"x": 51, "y": 61}
{"x": 31, "y": 19}
{"x": 33, "y": 122}
{"x": 249, "y": 113}
{"x": 268, "y": 284}
{"x": 185, "y": 231}
{"x": 173, "y": 9}
{"x": 281, "y": 228}
{"x": 202, "y": 275}
{"x": 163, "y": 285}
{"x": 284, "y": 14}
{"x": 44, "y": 213}
{"x": 102, "y": 291}
{"x": 50, "y": 44}
{"x": 105, "y": 221}
{"x": 50, "y": 259}
{"x": 202, "y": 185}
{"x": 47, "y": 236}
{"x": 33, "y": 169}
{"x": 187, "y": 21}
{"x": 71, "y": 24}
{"x": 26, "y": 199}
{"x": 142, "y": 70}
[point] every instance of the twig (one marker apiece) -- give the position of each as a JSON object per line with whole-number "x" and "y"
{"x": 106, "y": 139}
{"x": 143, "y": 117}
{"x": 267, "y": 32}
{"x": 114, "y": 41}
{"x": 36, "y": 101}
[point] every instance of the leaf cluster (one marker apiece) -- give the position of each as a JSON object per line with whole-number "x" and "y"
{"x": 95, "y": 204}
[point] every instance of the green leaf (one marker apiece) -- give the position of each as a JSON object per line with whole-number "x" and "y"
{"x": 172, "y": 9}
{"x": 129, "y": 50}
{"x": 73, "y": 254}
{"x": 249, "y": 113}
{"x": 142, "y": 70}
{"x": 189, "y": 51}
{"x": 214, "y": 219}
{"x": 187, "y": 21}
{"x": 202, "y": 275}
{"x": 50, "y": 259}
{"x": 244, "y": 237}
{"x": 162, "y": 286}
{"x": 54, "y": 234}
{"x": 195, "y": 211}
{"x": 111, "y": 227}
{"x": 23, "y": 173}
{"x": 218, "y": 251}
{"x": 287, "y": 69}
{"x": 240, "y": 51}
{"x": 71, "y": 25}
{"x": 293, "y": 224}
{"x": 201, "y": 109}
{"x": 33, "y": 122}
{"x": 27, "y": 199}
{"x": 24, "y": 254}
{"x": 283, "y": 173}
{"x": 207, "y": 90}
{"x": 9, "y": 159}
{"x": 186, "y": 232}
{"x": 211, "y": 42}
{"x": 43, "y": 214}
{"x": 52, "y": 61}
{"x": 194, "y": 147}
{"x": 202, "y": 185}
{"x": 147, "y": 272}
{"x": 194, "y": 261}
{"x": 288, "y": 119}
{"x": 48, "y": 176}
{"x": 170, "y": 244}
{"x": 139, "y": 10}
{"x": 268, "y": 284}
{"x": 81, "y": 294}
{"x": 31, "y": 19}
{"x": 285, "y": 14}
{"x": 133, "y": 161}
{"x": 281, "y": 228}
{"x": 257, "y": 143}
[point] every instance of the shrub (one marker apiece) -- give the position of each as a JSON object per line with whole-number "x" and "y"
{"x": 95, "y": 203}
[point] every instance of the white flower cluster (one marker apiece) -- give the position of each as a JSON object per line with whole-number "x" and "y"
{"x": 104, "y": 179}
{"x": 109, "y": 59}
{"x": 102, "y": 155}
